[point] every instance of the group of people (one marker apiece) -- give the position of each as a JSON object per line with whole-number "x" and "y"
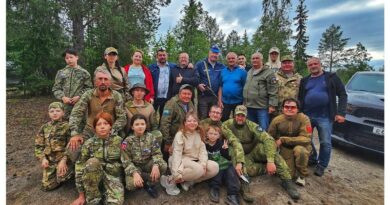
{"x": 139, "y": 125}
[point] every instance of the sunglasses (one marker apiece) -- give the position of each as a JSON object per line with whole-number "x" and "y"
{"x": 287, "y": 107}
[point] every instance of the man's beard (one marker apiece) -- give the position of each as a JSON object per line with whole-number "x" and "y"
{"x": 103, "y": 88}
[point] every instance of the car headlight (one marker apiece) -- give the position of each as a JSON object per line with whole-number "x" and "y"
{"x": 350, "y": 108}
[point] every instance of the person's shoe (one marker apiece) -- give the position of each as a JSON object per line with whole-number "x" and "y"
{"x": 232, "y": 200}
{"x": 300, "y": 181}
{"x": 170, "y": 187}
{"x": 151, "y": 190}
{"x": 291, "y": 190}
{"x": 245, "y": 192}
{"x": 214, "y": 195}
{"x": 319, "y": 170}
{"x": 186, "y": 185}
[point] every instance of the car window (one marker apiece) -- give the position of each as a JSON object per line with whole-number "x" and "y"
{"x": 367, "y": 82}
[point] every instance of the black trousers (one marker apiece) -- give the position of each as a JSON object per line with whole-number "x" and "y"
{"x": 159, "y": 104}
{"x": 227, "y": 109}
{"x": 204, "y": 105}
{"x": 229, "y": 178}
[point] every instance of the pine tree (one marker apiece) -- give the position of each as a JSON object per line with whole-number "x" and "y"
{"x": 331, "y": 47}
{"x": 301, "y": 38}
{"x": 211, "y": 29}
{"x": 232, "y": 41}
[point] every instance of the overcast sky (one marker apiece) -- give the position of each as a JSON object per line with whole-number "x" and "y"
{"x": 361, "y": 20}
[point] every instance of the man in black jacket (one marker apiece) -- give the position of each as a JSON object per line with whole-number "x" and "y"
{"x": 317, "y": 95}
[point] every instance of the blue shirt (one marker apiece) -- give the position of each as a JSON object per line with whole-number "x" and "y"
{"x": 136, "y": 75}
{"x": 163, "y": 82}
{"x": 316, "y": 99}
{"x": 233, "y": 82}
{"x": 214, "y": 73}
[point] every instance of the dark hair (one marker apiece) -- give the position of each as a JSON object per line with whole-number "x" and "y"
{"x": 105, "y": 116}
{"x": 241, "y": 54}
{"x": 70, "y": 51}
{"x": 215, "y": 107}
{"x": 138, "y": 117}
{"x": 291, "y": 100}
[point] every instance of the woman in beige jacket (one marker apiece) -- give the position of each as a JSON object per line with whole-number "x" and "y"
{"x": 189, "y": 163}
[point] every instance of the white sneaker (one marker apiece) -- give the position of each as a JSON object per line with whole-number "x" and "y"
{"x": 186, "y": 185}
{"x": 170, "y": 187}
{"x": 300, "y": 181}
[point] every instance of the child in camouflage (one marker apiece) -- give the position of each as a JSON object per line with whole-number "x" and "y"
{"x": 141, "y": 157}
{"x": 217, "y": 149}
{"x": 50, "y": 144}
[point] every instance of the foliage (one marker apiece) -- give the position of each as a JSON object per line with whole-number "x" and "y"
{"x": 301, "y": 38}
{"x": 331, "y": 47}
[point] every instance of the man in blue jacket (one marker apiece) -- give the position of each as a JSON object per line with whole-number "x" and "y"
{"x": 209, "y": 71}
{"x": 317, "y": 95}
{"x": 160, "y": 73}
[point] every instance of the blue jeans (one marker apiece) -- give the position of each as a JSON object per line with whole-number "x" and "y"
{"x": 259, "y": 116}
{"x": 324, "y": 127}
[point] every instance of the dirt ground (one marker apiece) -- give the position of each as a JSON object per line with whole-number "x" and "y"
{"x": 353, "y": 177}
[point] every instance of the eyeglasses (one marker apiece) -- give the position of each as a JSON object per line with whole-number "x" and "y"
{"x": 287, "y": 107}
{"x": 215, "y": 112}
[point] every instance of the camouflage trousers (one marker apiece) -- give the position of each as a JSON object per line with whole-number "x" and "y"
{"x": 74, "y": 154}
{"x": 146, "y": 169}
{"x": 256, "y": 163}
{"x": 50, "y": 180}
{"x": 96, "y": 181}
{"x": 296, "y": 158}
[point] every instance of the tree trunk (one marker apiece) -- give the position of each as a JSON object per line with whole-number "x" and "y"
{"x": 78, "y": 32}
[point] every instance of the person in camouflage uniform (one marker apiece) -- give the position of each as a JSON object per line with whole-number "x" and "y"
{"x": 71, "y": 82}
{"x": 120, "y": 82}
{"x": 92, "y": 102}
{"x": 141, "y": 157}
{"x": 256, "y": 150}
{"x": 173, "y": 116}
{"x": 288, "y": 80}
{"x": 99, "y": 170}
{"x": 292, "y": 132}
{"x": 50, "y": 147}
{"x": 215, "y": 115}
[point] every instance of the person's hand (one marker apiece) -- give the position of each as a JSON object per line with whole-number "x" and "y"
{"x": 45, "y": 163}
{"x": 151, "y": 101}
{"x": 220, "y": 104}
{"x": 66, "y": 100}
{"x": 179, "y": 180}
{"x": 190, "y": 66}
{"x": 179, "y": 78}
{"x": 155, "y": 174}
{"x": 75, "y": 99}
{"x": 225, "y": 144}
{"x": 239, "y": 169}
{"x": 62, "y": 168}
{"x": 80, "y": 200}
{"x": 278, "y": 142}
{"x": 271, "y": 168}
{"x": 339, "y": 118}
{"x": 167, "y": 147}
{"x": 202, "y": 87}
{"x": 138, "y": 181}
{"x": 271, "y": 109}
{"x": 75, "y": 142}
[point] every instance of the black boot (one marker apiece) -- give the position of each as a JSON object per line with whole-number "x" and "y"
{"x": 232, "y": 200}
{"x": 150, "y": 190}
{"x": 214, "y": 195}
{"x": 291, "y": 190}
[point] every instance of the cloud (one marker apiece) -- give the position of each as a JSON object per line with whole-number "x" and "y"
{"x": 346, "y": 8}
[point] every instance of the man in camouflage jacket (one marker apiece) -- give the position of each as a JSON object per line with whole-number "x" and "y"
{"x": 71, "y": 82}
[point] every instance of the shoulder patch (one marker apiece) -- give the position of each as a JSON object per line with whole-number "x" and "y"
{"x": 124, "y": 145}
{"x": 166, "y": 112}
{"x": 309, "y": 129}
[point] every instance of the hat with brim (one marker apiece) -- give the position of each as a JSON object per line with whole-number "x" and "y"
{"x": 186, "y": 86}
{"x": 139, "y": 85}
{"x": 110, "y": 50}
{"x": 56, "y": 105}
{"x": 241, "y": 109}
{"x": 287, "y": 58}
{"x": 274, "y": 49}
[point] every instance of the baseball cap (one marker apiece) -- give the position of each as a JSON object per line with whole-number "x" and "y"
{"x": 110, "y": 50}
{"x": 186, "y": 86}
{"x": 215, "y": 49}
{"x": 56, "y": 105}
{"x": 287, "y": 58}
{"x": 240, "y": 109}
{"x": 274, "y": 49}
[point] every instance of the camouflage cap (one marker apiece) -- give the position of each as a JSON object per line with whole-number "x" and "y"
{"x": 240, "y": 109}
{"x": 56, "y": 105}
{"x": 110, "y": 50}
{"x": 274, "y": 49}
{"x": 188, "y": 86}
{"x": 287, "y": 58}
{"x": 139, "y": 85}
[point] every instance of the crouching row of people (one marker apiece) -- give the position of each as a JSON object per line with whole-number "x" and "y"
{"x": 106, "y": 161}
